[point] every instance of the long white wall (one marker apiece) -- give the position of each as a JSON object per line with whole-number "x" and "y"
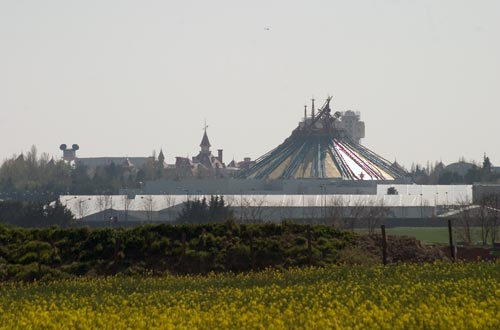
{"x": 432, "y": 194}
{"x": 84, "y": 206}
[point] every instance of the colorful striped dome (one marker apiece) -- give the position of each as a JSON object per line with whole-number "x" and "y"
{"x": 322, "y": 147}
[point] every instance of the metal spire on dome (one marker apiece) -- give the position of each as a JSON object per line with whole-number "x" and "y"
{"x": 312, "y": 109}
{"x": 323, "y": 149}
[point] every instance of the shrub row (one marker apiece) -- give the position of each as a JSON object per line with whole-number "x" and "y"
{"x": 28, "y": 254}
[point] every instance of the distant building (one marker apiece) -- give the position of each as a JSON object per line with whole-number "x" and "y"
{"x": 324, "y": 145}
{"x": 246, "y": 163}
{"x": 93, "y": 162}
{"x": 203, "y": 165}
{"x": 69, "y": 155}
{"x": 461, "y": 168}
{"x": 349, "y": 121}
{"x": 424, "y": 204}
{"x": 213, "y": 164}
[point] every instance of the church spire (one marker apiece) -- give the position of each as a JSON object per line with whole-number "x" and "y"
{"x": 161, "y": 157}
{"x": 205, "y": 143}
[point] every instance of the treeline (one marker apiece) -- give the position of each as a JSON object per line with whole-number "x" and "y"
{"x": 438, "y": 174}
{"x": 31, "y": 176}
{"x": 199, "y": 211}
{"x": 27, "y": 254}
{"x": 35, "y": 214}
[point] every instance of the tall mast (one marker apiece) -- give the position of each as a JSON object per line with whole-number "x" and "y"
{"x": 312, "y": 110}
{"x": 205, "y": 126}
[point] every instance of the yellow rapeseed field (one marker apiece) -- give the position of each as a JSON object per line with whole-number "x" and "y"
{"x": 416, "y": 296}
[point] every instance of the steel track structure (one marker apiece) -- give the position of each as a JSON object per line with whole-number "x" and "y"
{"x": 317, "y": 149}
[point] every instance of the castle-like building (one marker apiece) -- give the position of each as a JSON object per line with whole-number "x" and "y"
{"x": 203, "y": 165}
{"x": 324, "y": 145}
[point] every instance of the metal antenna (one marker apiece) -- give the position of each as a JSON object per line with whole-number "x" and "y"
{"x": 312, "y": 111}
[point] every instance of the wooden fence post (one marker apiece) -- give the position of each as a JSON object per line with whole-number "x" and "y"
{"x": 450, "y": 234}
{"x": 384, "y": 245}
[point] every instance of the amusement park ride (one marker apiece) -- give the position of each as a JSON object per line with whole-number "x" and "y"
{"x": 323, "y": 146}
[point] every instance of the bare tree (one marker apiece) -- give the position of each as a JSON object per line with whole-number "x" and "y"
{"x": 358, "y": 210}
{"x": 465, "y": 221}
{"x": 286, "y": 208}
{"x": 126, "y": 205}
{"x": 108, "y": 205}
{"x": 169, "y": 203}
{"x": 252, "y": 207}
{"x": 100, "y": 205}
{"x": 148, "y": 206}
{"x": 374, "y": 215}
{"x": 311, "y": 210}
{"x": 334, "y": 210}
{"x": 494, "y": 222}
{"x": 82, "y": 208}
{"x": 487, "y": 218}
{"x": 273, "y": 212}
{"x": 482, "y": 221}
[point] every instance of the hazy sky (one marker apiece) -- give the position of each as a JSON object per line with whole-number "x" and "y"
{"x": 122, "y": 78}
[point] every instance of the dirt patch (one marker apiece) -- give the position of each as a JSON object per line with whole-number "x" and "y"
{"x": 400, "y": 248}
{"x": 470, "y": 253}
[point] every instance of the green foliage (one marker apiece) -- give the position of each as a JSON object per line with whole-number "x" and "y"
{"x": 437, "y": 174}
{"x": 39, "y": 178}
{"x": 27, "y": 254}
{"x": 35, "y": 214}
{"x": 28, "y": 176}
{"x": 356, "y": 256}
{"x": 450, "y": 178}
{"x": 392, "y": 191}
{"x": 198, "y": 211}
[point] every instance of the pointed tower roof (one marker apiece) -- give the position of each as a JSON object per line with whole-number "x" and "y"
{"x": 204, "y": 141}
{"x": 161, "y": 157}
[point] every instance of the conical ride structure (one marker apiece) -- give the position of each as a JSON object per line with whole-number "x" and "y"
{"x": 324, "y": 146}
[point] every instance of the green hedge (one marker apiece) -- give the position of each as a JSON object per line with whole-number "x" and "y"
{"x": 29, "y": 254}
